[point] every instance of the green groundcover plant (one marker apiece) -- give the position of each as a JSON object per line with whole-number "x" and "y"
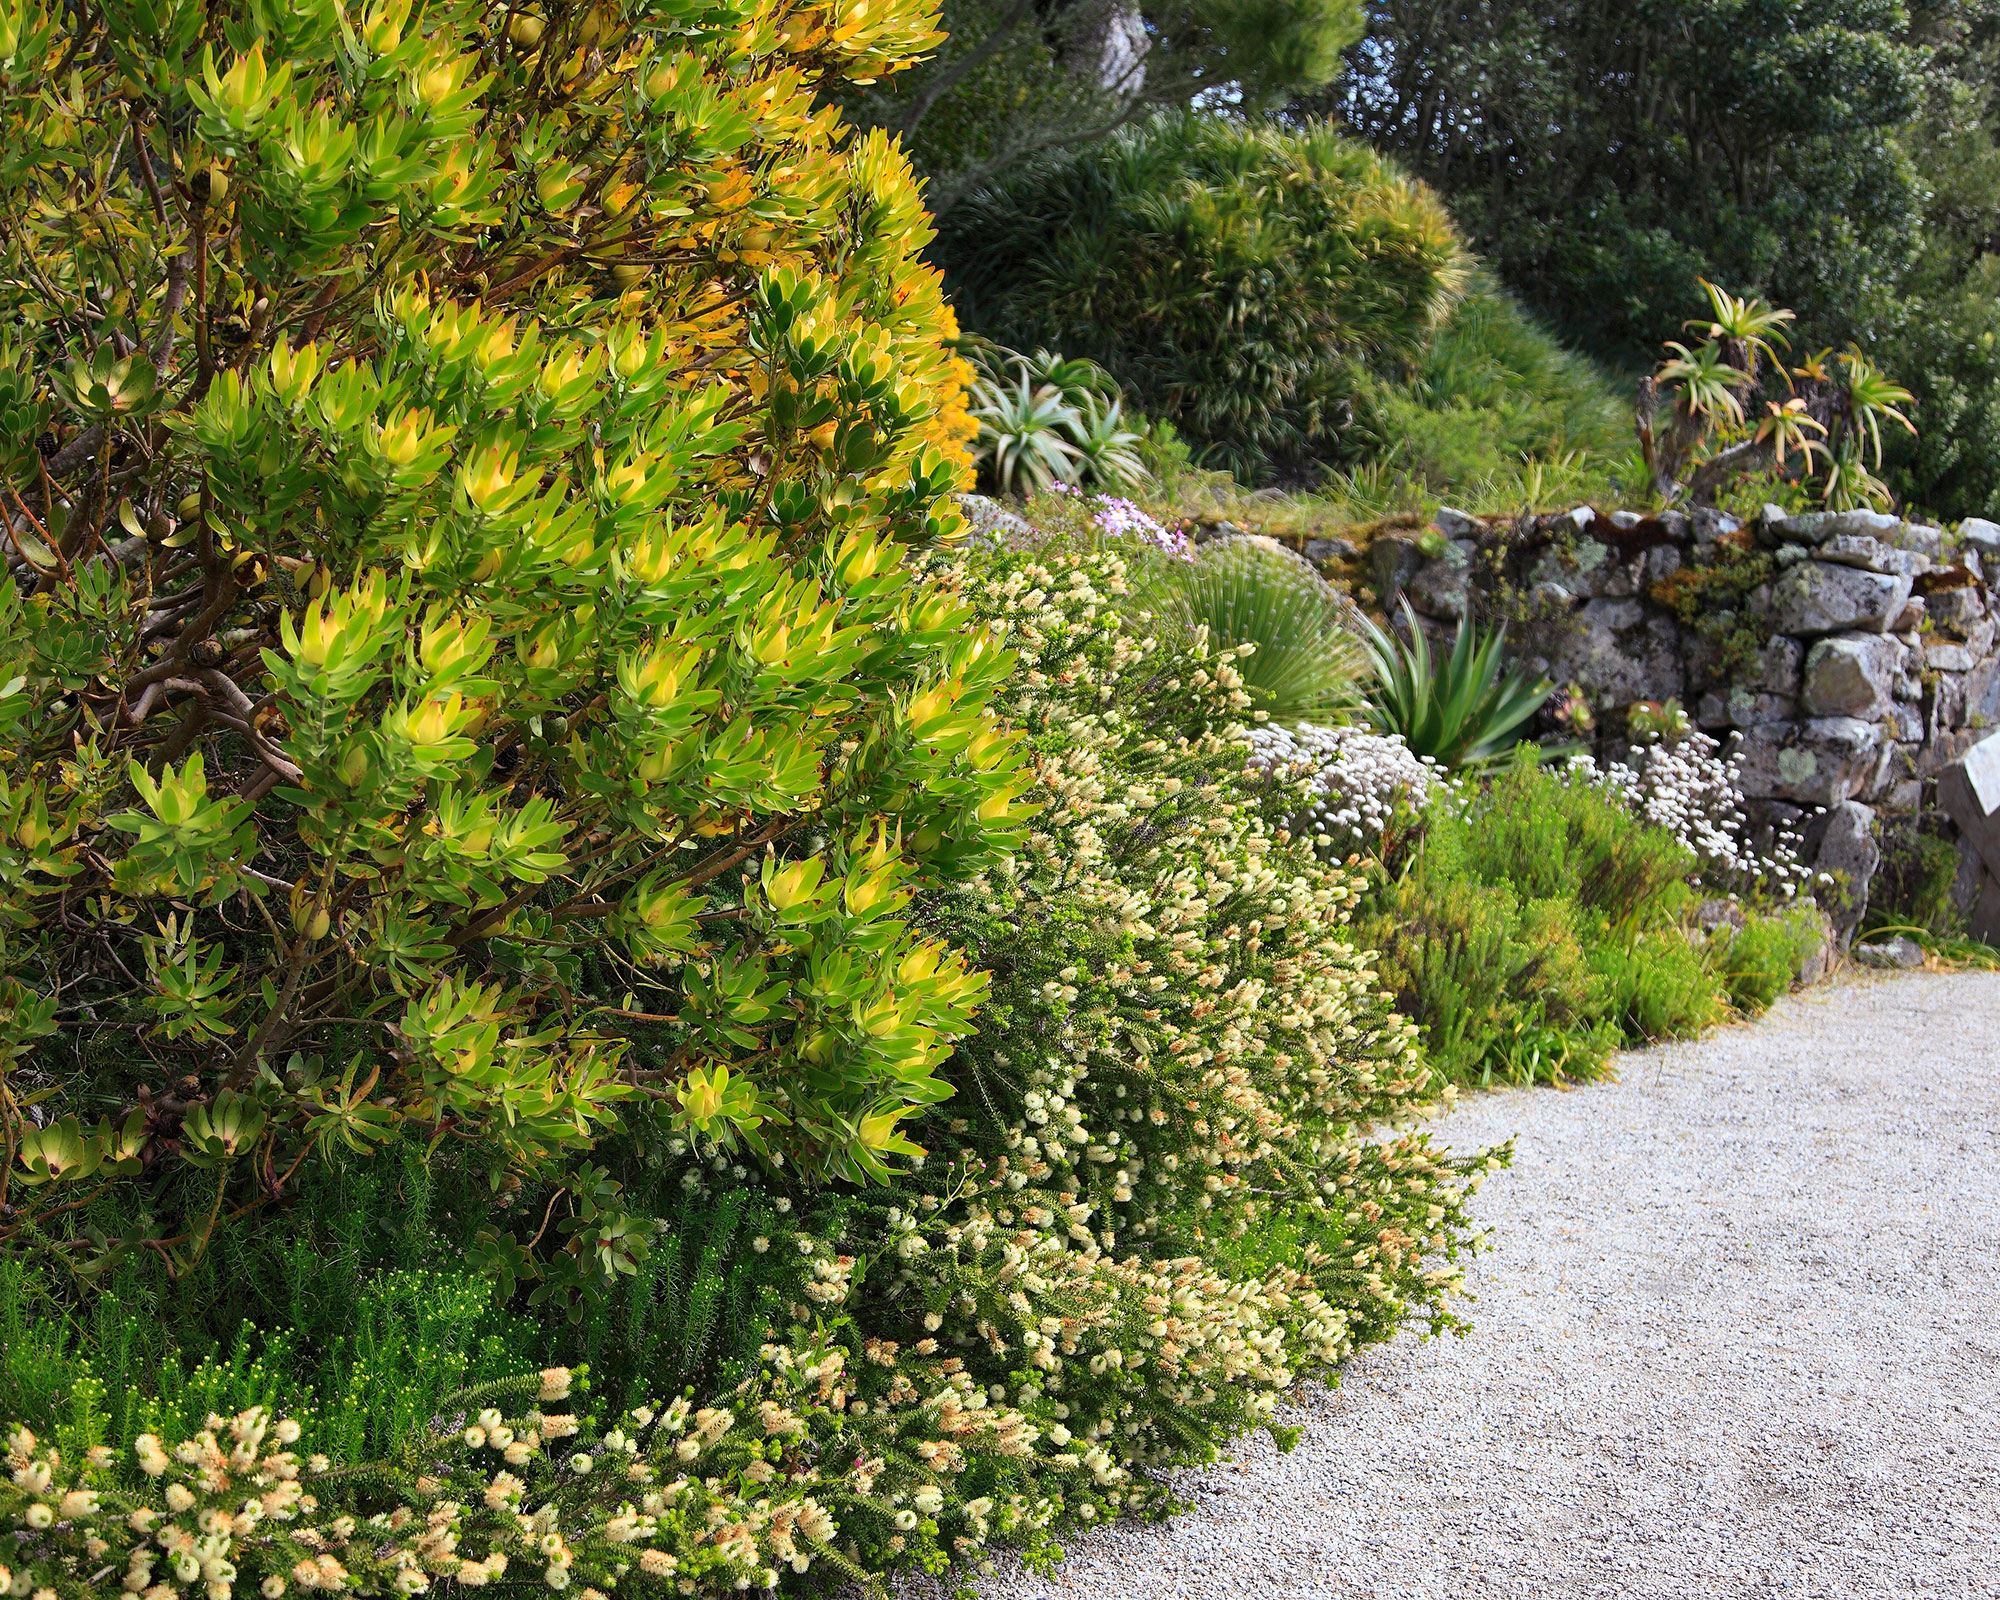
{"x": 1535, "y": 926}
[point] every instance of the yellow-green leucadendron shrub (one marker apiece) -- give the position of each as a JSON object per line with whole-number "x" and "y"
{"x": 461, "y": 674}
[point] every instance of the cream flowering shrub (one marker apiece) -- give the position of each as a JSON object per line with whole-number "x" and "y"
{"x": 1182, "y": 1168}
{"x": 1179, "y": 1171}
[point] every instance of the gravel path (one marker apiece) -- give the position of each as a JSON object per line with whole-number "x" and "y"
{"x": 1739, "y": 1336}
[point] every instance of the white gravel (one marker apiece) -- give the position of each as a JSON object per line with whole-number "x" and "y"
{"x": 1739, "y": 1335}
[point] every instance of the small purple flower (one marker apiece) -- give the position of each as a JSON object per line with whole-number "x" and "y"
{"x": 1122, "y": 519}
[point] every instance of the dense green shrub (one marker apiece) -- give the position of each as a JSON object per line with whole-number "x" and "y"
{"x": 1759, "y": 961}
{"x": 1235, "y": 279}
{"x": 1535, "y": 927}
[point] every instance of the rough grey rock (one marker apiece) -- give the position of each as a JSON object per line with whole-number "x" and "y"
{"x": 1976, "y": 533}
{"x": 1820, "y": 762}
{"x": 1712, "y": 915}
{"x": 1660, "y": 563}
{"x": 1842, "y": 843}
{"x": 1922, "y": 540}
{"x": 1956, "y": 608}
{"x": 1897, "y": 954}
{"x": 1741, "y": 708}
{"x": 1456, "y": 524}
{"x": 1396, "y": 561}
{"x": 1945, "y": 707}
{"x": 1858, "y": 550}
{"x": 1911, "y": 617}
{"x": 1617, "y": 615}
{"x": 1904, "y": 720}
{"x": 1819, "y": 597}
{"x": 1780, "y": 667}
{"x": 1852, "y": 675}
{"x": 1619, "y": 654}
{"x": 1440, "y": 589}
{"x": 1816, "y": 527}
{"x": 1942, "y": 655}
{"x": 1331, "y": 550}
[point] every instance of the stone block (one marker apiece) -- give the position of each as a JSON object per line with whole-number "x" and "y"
{"x": 1742, "y": 708}
{"x": 1982, "y": 693}
{"x": 1821, "y": 761}
{"x": 1976, "y": 533}
{"x": 1904, "y": 795}
{"x": 1897, "y": 954}
{"x": 1842, "y": 843}
{"x": 1921, "y": 539}
{"x": 1816, "y": 527}
{"x": 1456, "y": 524}
{"x": 1331, "y": 550}
{"x": 1852, "y": 675}
{"x": 1941, "y": 655}
{"x": 1661, "y": 563}
{"x": 1944, "y": 707}
{"x": 1440, "y": 589}
{"x": 1911, "y": 617}
{"x": 1395, "y": 562}
{"x": 1958, "y": 608}
{"x": 1780, "y": 667}
{"x": 1819, "y": 597}
{"x": 1871, "y": 555}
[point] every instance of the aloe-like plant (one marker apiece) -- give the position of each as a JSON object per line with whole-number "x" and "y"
{"x": 1463, "y": 709}
{"x": 1105, "y": 447}
{"x": 1047, "y": 419}
{"x": 1832, "y": 413}
{"x": 1306, "y": 662}
{"x": 1025, "y": 433}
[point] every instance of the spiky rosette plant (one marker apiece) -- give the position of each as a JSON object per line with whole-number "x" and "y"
{"x": 461, "y": 678}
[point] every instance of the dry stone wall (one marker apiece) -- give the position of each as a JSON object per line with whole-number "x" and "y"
{"x": 1855, "y": 654}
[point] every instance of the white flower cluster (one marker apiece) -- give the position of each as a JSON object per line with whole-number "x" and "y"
{"x": 1693, "y": 788}
{"x": 1362, "y": 780}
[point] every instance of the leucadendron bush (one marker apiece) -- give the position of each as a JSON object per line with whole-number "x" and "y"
{"x": 461, "y": 672}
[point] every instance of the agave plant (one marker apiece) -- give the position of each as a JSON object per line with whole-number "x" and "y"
{"x": 1463, "y": 710}
{"x": 1307, "y": 663}
{"x": 1046, "y": 420}
{"x": 1080, "y": 379}
{"x": 1025, "y": 434}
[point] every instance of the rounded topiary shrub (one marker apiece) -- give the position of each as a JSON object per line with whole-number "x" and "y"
{"x": 1234, "y": 278}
